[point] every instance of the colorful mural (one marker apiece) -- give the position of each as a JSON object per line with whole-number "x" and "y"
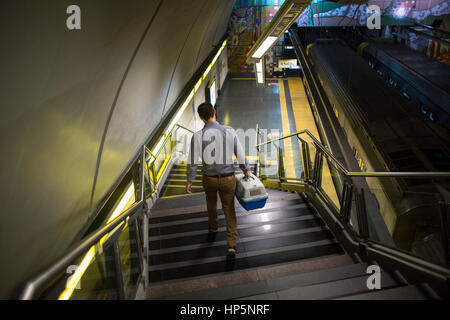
{"x": 249, "y": 17}
{"x": 324, "y": 13}
{"x": 246, "y": 24}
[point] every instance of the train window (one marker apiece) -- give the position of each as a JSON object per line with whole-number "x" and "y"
{"x": 406, "y": 95}
{"x": 360, "y": 161}
{"x": 424, "y": 109}
{"x": 336, "y": 112}
{"x": 392, "y": 82}
{"x": 375, "y": 200}
{"x": 433, "y": 117}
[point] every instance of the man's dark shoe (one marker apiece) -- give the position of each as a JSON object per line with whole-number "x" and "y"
{"x": 231, "y": 251}
{"x": 211, "y": 230}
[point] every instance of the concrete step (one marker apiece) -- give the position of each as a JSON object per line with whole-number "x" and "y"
{"x": 399, "y": 293}
{"x": 327, "y": 290}
{"x": 269, "y": 286}
{"x": 171, "y": 290}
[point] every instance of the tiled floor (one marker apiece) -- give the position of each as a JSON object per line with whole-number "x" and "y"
{"x": 281, "y": 106}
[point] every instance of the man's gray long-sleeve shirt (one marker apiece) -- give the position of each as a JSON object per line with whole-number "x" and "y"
{"x": 215, "y": 144}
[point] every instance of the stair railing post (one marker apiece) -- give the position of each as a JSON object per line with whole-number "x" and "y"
{"x": 318, "y": 165}
{"x": 305, "y": 159}
{"x": 154, "y": 178}
{"x": 145, "y": 235}
{"x": 258, "y": 160}
{"x": 145, "y": 219}
{"x": 444, "y": 204}
{"x": 280, "y": 165}
{"x": 443, "y": 219}
{"x": 346, "y": 202}
{"x": 363, "y": 226}
{"x": 118, "y": 271}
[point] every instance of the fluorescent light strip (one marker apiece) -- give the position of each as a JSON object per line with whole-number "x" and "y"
{"x": 180, "y": 112}
{"x": 123, "y": 202}
{"x": 259, "y": 71}
{"x": 156, "y": 149}
{"x": 197, "y": 85}
{"x": 217, "y": 56}
{"x": 260, "y": 78}
{"x": 76, "y": 277}
{"x": 264, "y": 47}
{"x": 259, "y": 66}
{"x": 206, "y": 72}
{"x": 177, "y": 117}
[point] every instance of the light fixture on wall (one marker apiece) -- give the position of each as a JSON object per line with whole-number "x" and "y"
{"x": 283, "y": 19}
{"x": 186, "y": 102}
{"x": 268, "y": 43}
{"x": 260, "y": 74}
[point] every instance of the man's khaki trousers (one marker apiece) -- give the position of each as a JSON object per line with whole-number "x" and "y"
{"x": 226, "y": 186}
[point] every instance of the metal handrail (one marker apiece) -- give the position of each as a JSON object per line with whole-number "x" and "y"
{"x": 37, "y": 284}
{"x": 182, "y": 127}
{"x": 169, "y": 135}
{"x": 355, "y": 173}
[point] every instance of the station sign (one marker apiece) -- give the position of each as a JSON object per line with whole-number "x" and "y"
{"x": 289, "y": 63}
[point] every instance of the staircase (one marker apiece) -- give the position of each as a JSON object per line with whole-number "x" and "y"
{"x": 175, "y": 184}
{"x": 284, "y": 251}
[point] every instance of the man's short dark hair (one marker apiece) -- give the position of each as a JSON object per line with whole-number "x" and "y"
{"x": 205, "y": 111}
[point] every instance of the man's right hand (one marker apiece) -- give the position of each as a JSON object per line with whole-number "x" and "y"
{"x": 188, "y": 187}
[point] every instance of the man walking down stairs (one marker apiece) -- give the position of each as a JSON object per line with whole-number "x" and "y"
{"x": 215, "y": 144}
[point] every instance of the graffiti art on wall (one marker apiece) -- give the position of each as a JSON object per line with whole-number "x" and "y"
{"x": 324, "y": 13}
{"x": 246, "y": 24}
{"x": 250, "y": 17}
